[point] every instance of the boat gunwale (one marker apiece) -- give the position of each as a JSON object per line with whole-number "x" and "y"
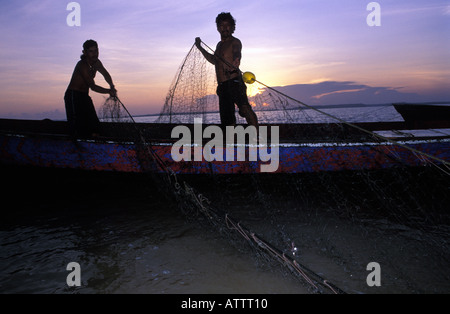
{"x": 158, "y": 132}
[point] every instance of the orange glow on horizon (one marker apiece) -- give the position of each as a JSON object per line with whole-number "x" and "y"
{"x": 254, "y": 89}
{"x": 253, "y": 104}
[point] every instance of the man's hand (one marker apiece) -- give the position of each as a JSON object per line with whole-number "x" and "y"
{"x": 211, "y": 58}
{"x": 198, "y": 42}
{"x": 113, "y": 91}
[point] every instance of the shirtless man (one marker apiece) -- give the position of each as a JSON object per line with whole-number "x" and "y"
{"x": 227, "y": 59}
{"x": 80, "y": 110}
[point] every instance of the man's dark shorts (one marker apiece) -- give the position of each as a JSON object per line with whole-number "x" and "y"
{"x": 231, "y": 92}
{"x": 81, "y": 115}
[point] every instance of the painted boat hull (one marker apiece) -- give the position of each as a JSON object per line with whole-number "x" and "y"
{"x": 55, "y": 151}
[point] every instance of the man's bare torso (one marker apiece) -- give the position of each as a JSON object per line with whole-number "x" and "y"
{"x": 230, "y": 51}
{"x": 82, "y": 73}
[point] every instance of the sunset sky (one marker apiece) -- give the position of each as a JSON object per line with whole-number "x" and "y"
{"x": 142, "y": 43}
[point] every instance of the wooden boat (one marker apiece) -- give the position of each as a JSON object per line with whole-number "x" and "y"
{"x": 303, "y": 148}
{"x": 435, "y": 114}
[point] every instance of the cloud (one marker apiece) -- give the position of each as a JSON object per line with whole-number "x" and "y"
{"x": 446, "y": 10}
{"x": 413, "y": 9}
{"x": 334, "y": 93}
{"x": 317, "y": 94}
{"x": 338, "y": 92}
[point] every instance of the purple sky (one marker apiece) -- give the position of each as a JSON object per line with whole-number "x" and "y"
{"x": 285, "y": 42}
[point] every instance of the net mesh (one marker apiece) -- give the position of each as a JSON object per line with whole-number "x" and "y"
{"x": 350, "y": 218}
{"x": 192, "y": 94}
{"x": 112, "y": 111}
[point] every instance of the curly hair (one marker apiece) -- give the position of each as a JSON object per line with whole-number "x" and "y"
{"x": 226, "y": 16}
{"x": 86, "y": 45}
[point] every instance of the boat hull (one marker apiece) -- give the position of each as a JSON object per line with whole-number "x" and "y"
{"x": 98, "y": 155}
{"x": 422, "y": 113}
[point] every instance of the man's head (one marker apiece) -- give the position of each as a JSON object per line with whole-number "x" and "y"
{"x": 226, "y": 24}
{"x": 90, "y": 50}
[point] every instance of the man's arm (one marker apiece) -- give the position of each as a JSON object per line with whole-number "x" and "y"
{"x": 211, "y": 58}
{"x": 237, "y": 53}
{"x": 84, "y": 70}
{"x": 107, "y": 76}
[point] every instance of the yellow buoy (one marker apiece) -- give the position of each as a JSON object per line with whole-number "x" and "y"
{"x": 249, "y": 77}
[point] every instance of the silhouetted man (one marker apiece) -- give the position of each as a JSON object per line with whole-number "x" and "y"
{"x": 227, "y": 59}
{"x": 80, "y": 110}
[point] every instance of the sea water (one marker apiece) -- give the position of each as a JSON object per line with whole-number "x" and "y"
{"x": 324, "y": 114}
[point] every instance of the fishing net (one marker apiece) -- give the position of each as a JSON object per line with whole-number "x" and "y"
{"x": 323, "y": 226}
{"x": 112, "y": 111}
{"x": 192, "y": 95}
